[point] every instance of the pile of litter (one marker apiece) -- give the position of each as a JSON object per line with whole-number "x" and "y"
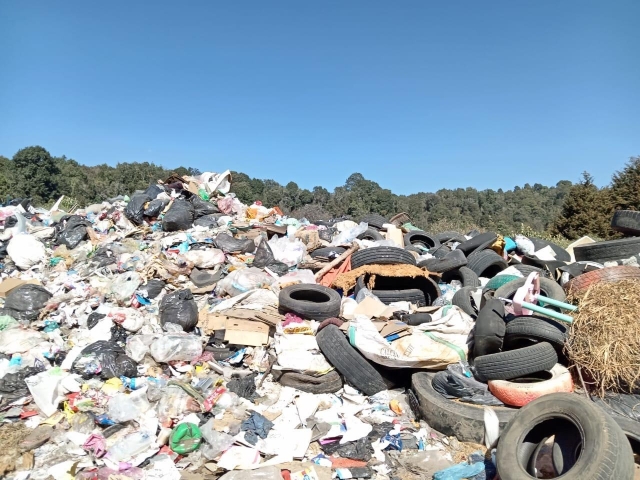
{"x": 178, "y": 333}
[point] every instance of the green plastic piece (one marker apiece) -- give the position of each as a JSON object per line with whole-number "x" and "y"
{"x": 499, "y": 280}
{"x": 185, "y": 438}
{"x": 6, "y": 321}
{"x": 410, "y": 227}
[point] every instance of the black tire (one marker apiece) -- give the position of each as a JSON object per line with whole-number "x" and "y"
{"x": 374, "y": 220}
{"x": 415, "y": 319}
{"x": 420, "y": 291}
{"x": 371, "y": 234}
{"x": 561, "y": 254}
{"x": 627, "y": 222}
{"x": 315, "y": 302}
{"x": 328, "y": 383}
{"x": 411, "y": 248}
{"x": 440, "y": 251}
{"x": 548, "y": 288}
{"x": 453, "y": 260}
{"x": 463, "y": 274}
{"x": 327, "y": 253}
{"x": 516, "y": 363}
{"x": 445, "y": 237}
{"x": 462, "y": 299}
{"x": 355, "y": 369}
{"x": 478, "y": 243}
{"x": 490, "y": 329}
{"x": 608, "y": 251}
{"x": 462, "y": 420}
{"x": 418, "y": 237}
{"x": 605, "y": 452}
{"x": 498, "y": 281}
{"x": 382, "y": 256}
{"x": 631, "y": 429}
{"x": 526, "y": 270}
{"x": 486, "y": 263}
{"x": 525, "y": 330}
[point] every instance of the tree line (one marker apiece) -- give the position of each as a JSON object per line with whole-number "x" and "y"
{"x": 566, "y": 209}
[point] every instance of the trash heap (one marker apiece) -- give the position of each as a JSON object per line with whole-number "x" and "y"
{"x": 178, "y": 333}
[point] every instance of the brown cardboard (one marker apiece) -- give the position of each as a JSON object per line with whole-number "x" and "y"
{"x": 246, "y": 332}
{"x": 210, "y": 322}
{"x": 393, "y": 327}
{"x": 10, "y": 283}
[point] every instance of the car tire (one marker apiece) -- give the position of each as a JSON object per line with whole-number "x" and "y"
{"x": 314, "y": 302}
{"x": 371, "y": 234}
{"x": 374, "y": 220}
{"x": 355, "y": 368}
{"x": 327, "y": 253}
{"x": 446, "y": 237}
{"x": 581, "y": 283}
{"x": 548, "y": 288}
{"x": 486, "y": 263}
{"x": 573, "y": 420}
{"x": 464, "y": 275}
{"x": 327, "y": 383}
{"x": 561, "y": 254}
{"x": 609, "y": 251}
{"x": 527, "y": 329}
{"x": 462, "y": 300}
{"x": 422, "y": 297}
{"x": 478, "y": 243}
{"x": 627, "y": 222}
{"x": 418, "y": 237}
{"x": 461, "y": 420}
{"x": 490, "y": 329}
{"x": 453, "y": 260}
{"x": 498, "y": 281}
{"x": 382, "y": 256}
{"x": 516, "y": 363}
{"x": 519, "y": 393}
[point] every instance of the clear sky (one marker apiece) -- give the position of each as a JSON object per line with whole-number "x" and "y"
{"x": 416, "y": 95}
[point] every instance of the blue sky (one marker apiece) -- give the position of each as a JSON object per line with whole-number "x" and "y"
{"x": 415, "y": 95}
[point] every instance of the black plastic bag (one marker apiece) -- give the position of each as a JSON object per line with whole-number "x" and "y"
{"x": 104, "y": 358}
{"x": 452, "y": 383}
{"x": 26, "y": 301}
{"x": 202, "y": 207}
{"x": 3, "y": 250}
{"x": 104, "y": 256}
{"x": 154, "y": 190}
{"x": 179, "y": 217}
{"x": 134, "y": 210}
{"x": 208, "y": 221}
{"x": 179, "y": 308}
{"x": 155, "y": 207}
{"x": 278, "y": 268}
{"x": 75, "y": 231}
{"x": 10, "y": 221}
{"x": 623, "y": 404}
{"x": 13, "y": 386}
{"x": 228, "y": 244}
{"x": 327, "y": 234}
{"x": 264, "y": 255}
{"x": 358, "y": 450}
{"x": 153, "y": 288}
{"x": 93, "y": 319}
{"x": 244, "y": 387}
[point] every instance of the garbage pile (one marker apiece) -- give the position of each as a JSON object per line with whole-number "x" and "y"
{"x": 178, "y": 333}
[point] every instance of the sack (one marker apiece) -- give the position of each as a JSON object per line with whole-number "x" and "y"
{"x": 264, "y": 255}
{"x": 234, "y": 245}
{"x": 155, "y": 207}
{"x": 134, "y": 210}
{"x": 26, "y": 301}
{"x": 152, "y": 288}
{"x": 26, "y": 251}
{"x": 208, "y": 258}
{"x": 75, "y": 231}
{"x": 202, "y": 207}
{"x": 153, "y": 191}
{"x": 179, "y": 217}
{"x": 208, "y": 221}
{"x": 179, "y": 308}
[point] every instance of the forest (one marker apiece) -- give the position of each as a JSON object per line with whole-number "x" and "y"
{"x": 565, "y": 209}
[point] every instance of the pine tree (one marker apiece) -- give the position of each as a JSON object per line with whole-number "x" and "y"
{"x": 35, "y": 174}
{"x": 587, "y": 210}
{"x": 625, "y": 186}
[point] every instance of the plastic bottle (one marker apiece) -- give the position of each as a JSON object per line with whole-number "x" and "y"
{"x": 134, "y": 383}
{"x": 203, "y": 194}
{"x": 130, "y": 446}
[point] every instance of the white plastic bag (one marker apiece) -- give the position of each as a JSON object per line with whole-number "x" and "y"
{"x": 19, "y": 340}
{"x": 26, "y": 251}
{"x": 205, "y": 258}
{"x": 349, "y": 235}
{"x": 525, "y": 245}
{"x": 124, "y": 286}
{"x": 288, "y": 251}
{"x": 176, "y": 347}
{"x": 129, "y": 318}
{"x": 243, "y": 280}
{"x": 124, "y": 407}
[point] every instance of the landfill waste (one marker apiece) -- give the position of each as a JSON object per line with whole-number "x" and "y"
{"x": 178, "y": 333}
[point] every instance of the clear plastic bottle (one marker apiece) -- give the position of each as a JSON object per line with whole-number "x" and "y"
{"x": 130, "y": 446}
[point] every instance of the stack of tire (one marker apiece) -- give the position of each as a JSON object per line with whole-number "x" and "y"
{"x": 421, "y": 291}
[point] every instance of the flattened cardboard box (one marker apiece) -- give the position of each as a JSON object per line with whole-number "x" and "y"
{"x": 246, "y": 332}
{"x": 10, "y": 283}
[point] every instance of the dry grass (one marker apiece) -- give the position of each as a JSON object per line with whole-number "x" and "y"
{"x": 605, "y": 337}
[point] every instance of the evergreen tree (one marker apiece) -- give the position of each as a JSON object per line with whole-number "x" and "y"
{"x": 586, "y": 211}
{"x": 34, "y": 174}
{"x": 625, "y": 186}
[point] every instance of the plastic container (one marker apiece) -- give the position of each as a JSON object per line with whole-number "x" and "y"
{"x": 130, "y": 446}
{"x": 176, "y": 347}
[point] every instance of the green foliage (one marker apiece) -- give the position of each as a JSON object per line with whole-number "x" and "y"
{"x": 587, "y": 210}
{"x": 34, "y": 173}
{"x": 625, "y": 186}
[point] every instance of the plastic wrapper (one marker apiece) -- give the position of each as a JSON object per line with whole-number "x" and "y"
{"x": 243, "y": 280}
{"x": 185, "y": 438}
{"x": 19, "y": 340}
{"x": 176, "y": 347}
{"x": 179, "y": 308}
{"x": 106, "y": 359}
{"x": 26, "y": 251}
{"x": 264, "y": 256}
{"x": 622, "y": 404}
{"x": 208, "y": 258}
{"x": 208, "y": 221}
{"x": 202, "y": 207}
{"x": 350, "y": 234}
{"x": 124, "y": 407}
{"x": 152, "y": 288}
{"x": 234, "y": 245}
{"x": 180, "y": 216}
{"x": 124, "y": 286}
{"x": 175, "y": 403}
{"x": 289, "y": 252}
{"x": 75, "y": 231}
{"x": 25, "y": 302}
{"x": 453, "y": 383}
{"x": 155, "y": 207}
{"x": 134, "y": 210}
